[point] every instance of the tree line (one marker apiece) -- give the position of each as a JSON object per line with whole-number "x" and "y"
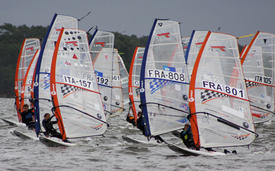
{"x": 11, "y": 38}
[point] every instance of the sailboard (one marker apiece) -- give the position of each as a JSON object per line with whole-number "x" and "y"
{"x": 218, "y": 100}
{"x": 107, "y": 70}
{"x": 55, "y": 142}
{"x": 24, "y": 133}
{"x": 258, "y": 67}
{"x": 74, "y": 91}
{"x": 24, "y": 68}
{"x": 12, "y": 122}
{"x": 164, "y": 80}
{"x": 41, "y": 85}
{"x": 191, "y": 152}
{"x": 140, "y": 140}
{"x": 134, "y": 78}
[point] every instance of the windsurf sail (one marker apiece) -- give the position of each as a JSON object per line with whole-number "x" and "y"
{"x": 134, "y": 78}
{"x": 27, "y": 52}
{"x": 218, "y": 100}
{"x": 124, "y": 79}
{"x": 76, "y": 99}
{"x": 107, "y": 70}
{"x": 117, "y": 94}
{"x": 27, "y": 87}
{"x": 42, "y": 96}
{"x": 164, "y": 80}
{"x": 258, "y": 67}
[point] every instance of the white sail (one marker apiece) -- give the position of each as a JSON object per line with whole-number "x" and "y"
{"x": 134, "y": 78}
{"x": 29, "y": 48}
{"x": 42, "y": 76}
{"x": 193, "y": 49}
{"x": 102, "y": 51}
{"x": 27, "y": 88}
{"x": 258, "y": 66}
{"x": 124, "y": 79}
{"x": 218, "y": 99}
{"x": 163, "y": 80}
{"x": 117, "y": 94}
{"x": 74, "y": 88}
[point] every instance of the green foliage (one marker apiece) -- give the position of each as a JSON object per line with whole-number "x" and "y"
{"x": 126, "y": 46}
{"x": 11, "y": 38}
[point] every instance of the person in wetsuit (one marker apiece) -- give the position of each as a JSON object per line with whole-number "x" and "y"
{"x": 140, "y": 123}
{"x": 187, "y": 136}
{"x": 48, "y": 126}
{"x": 131, "y": 119}
{"x": 27, "y": 116}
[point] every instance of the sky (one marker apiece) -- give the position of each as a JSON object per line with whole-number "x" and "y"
{"x": 237, "y": 17}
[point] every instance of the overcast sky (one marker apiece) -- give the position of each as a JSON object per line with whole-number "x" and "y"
{"x": 237, "y": 17}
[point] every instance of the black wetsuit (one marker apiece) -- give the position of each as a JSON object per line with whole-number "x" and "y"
{"x": 48, "y": 126}
{"x": 187, "y": 138}
{"x": 131, "y": 120}
{"x": 27, "y": 118}
{"x": 140, "y": 124}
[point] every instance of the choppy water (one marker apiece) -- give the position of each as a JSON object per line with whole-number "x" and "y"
{"x": 112, "y": 153}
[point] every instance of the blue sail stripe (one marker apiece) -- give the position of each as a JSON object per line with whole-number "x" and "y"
{"x": 142, "y": 83}
{"x": 166, "y": 80}
{"x": 189, "y": 45}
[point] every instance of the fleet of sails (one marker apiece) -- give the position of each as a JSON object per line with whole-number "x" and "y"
{"x": 202, "y": 80}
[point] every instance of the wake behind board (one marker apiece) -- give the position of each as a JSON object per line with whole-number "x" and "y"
{"x": 55, "y": 142}
{"x": 190, "y": 152}
{"x": 24, "y": 134}
{"x": 139, "y": 140}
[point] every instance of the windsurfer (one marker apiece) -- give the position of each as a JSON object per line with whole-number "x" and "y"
{"x": 187, "y": 136}
{"x": 131, "y": 119}
{"x": 48, "y": 126}
{"x": 140, "y": 123}
{"x": 27, "y": 116}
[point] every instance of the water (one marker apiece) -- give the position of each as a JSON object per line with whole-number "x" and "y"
{"x": 112, "y": 153}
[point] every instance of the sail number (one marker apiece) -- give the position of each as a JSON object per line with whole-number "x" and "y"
{"x": 263, "y": 79}
{"x": 232, "y": 91}
{"x": 116, "y": 77}
{"x": 102, "y": 80}
{"x": 77, "y": 82}
{"x": 167, "y": 75}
